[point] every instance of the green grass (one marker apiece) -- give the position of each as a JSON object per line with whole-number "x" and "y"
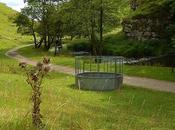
{"x": 8, "y": 38}
{"x": 65, "y": 107}
{"x": 160, "y": 73}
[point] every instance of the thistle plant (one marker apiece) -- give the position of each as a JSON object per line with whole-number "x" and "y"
{"x": 35, "y": 77}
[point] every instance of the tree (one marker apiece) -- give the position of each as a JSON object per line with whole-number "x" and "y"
{"x": 44, "y": 21}
{"x": 26, "y": 23}
{"x": 54, "y": 19}
{"x": 89, "y": 18}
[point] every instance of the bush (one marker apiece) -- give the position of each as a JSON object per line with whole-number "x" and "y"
{"x": 78, "y": 45}
{"x": 120, "y": 45}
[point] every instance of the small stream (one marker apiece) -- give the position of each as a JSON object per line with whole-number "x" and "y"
{"x": 164, "y": 60}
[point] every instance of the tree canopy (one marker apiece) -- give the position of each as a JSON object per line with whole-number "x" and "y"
{"x": 48, "y": 21}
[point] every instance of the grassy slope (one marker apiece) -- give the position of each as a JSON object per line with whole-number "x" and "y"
{"x": 64, "y": 107}
{"x": 8, "y": 37}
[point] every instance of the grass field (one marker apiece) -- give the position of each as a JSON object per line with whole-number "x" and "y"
{"x": 160, "y": 73}
{"x": 66, "y": 108}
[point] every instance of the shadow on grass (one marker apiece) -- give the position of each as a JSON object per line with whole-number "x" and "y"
{"x": 75, "y": 87}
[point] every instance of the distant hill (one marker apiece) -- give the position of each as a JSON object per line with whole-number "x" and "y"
{"x": 5, "y": 14}
{"x": 8, "y": 30}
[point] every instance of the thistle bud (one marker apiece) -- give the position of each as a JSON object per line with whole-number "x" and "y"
{"x": 46, "y": 60}
{"x": 34, "y": 77}
{"x": 23, "y": 65}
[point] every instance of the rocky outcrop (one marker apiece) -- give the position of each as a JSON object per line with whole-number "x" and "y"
{"x": 150, "y": 19}
{"x": 145, "y": 28}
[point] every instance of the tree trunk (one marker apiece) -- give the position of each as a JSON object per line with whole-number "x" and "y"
{"x": 71, "y": 37}
{"x": 34, "y": 40}
{"x": 33, "y": 34}
{"x": 56, "y": 47}
{"x": 93, "y": 39}
{"x": 40, "y": 43}
{"x": 101, "y": 28}
{"x": 45, "y": 41}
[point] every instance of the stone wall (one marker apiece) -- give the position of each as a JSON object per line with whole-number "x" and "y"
{"x": 145, "y": 28}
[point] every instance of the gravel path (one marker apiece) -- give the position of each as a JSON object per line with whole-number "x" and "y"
{"x": 129, "y": 80}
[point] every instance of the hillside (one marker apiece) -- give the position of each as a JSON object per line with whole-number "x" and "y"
{"x": 8, "y": 36}
{"x": 7, "y": 28}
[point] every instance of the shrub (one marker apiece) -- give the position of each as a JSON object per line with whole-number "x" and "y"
{"x": 132, "y": 48}
{"x": 79, "y": 45}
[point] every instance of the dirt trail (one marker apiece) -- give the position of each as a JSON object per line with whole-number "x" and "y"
{"x": 129, "y": 80}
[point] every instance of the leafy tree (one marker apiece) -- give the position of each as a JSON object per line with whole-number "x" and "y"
{"x": 88, "y": 18}
{"x": 26, "y": 23}
{"x": 42, "y": 19}
{"x": 51, "y": 20}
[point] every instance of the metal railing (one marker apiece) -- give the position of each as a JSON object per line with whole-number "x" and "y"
{"x": 100, "y": 64}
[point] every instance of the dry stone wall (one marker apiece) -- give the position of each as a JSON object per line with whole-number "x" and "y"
{"x": 145, "y": 28}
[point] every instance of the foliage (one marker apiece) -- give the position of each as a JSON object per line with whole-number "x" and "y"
{"x": 34, "y": 79}
{"x": 163, "y": 12}
{"x": 53, "y": 20}
{"x": 118, "y": 44}
{"x": 88, "y": 18}
{"x": 149, "y": 8}
{"x": 23, "y": 24}
{"x": 43, "y": 20}
{"x": 170, "y": 31}
{"x": 78, "y": 45}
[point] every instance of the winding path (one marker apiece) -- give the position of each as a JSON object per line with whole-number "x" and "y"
{"x": 130, "y": 80}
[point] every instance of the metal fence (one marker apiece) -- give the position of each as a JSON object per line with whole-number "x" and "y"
{"x": 99, "y": 72}
{"x": 105, "y": 64}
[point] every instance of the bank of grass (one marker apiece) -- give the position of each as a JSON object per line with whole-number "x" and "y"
{"x": 65, "y": 107}
{"x": 9, "y": 38}
{"x": 160, "y": 73}
{"x": 155, "y": 72}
